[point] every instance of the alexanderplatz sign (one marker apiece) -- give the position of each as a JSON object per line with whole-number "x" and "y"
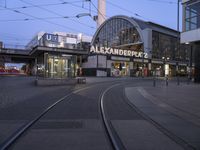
{"x": 115, "y": 51}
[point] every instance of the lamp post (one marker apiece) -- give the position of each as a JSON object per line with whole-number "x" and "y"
{"x": 191, "y": 53}
{"x": 143, "y": 64}
{"x": 178, "y": 41}
{"x": 178, "y": 8}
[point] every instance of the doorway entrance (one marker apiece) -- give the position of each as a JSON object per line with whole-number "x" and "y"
{"x": 120, "y": 69}
{"x": 60, "y": 67}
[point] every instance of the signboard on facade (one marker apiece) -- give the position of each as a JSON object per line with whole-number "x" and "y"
{"x": 115, "y": 51}
{"x": 120, "y": 58}
{"x": 51, "y": 38}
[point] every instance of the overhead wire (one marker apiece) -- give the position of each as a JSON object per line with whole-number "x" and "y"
{"x": 47, "y": 21}
{"x": 137, "y": 14}
{"x": 63, "y": 2}
{"x": 77, "y": 6}
{"x": 42, "y": 19}
{"x": 55, "y": 13}
{"x": 42, "y": 5}
{"x": 30, "y": 19}
{"x": 161, "y": 1}
{"x": 124, "y": 9}
{"x": 72, "y": 3}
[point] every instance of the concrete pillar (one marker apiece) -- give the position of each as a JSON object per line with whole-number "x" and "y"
{"x": 101, "y": 12}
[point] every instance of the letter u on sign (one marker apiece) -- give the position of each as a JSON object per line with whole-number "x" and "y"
{"x": 48, "y": 37}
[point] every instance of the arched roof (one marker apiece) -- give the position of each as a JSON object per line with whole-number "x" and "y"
{"x": 131, "y": 20}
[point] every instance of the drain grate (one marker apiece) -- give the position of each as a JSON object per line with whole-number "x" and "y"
{"x": 59, "y": 125}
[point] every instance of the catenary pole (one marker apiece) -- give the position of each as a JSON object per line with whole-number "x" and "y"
{"x": 178, "y": 41}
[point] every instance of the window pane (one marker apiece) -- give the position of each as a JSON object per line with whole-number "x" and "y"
{"x": 194, "y": 20}
{"x": 187, "y": 14}
{"x": 187, "y": 26}
{"x": 192, "y": 16}
{"x": 193, "y": 26}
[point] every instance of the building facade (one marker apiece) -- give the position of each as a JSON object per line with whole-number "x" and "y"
{"x": 191, "y": 35}
{"x": 126, "y": 46}
{"x": 58, "y": 54}
{"x": 121, "y": 46}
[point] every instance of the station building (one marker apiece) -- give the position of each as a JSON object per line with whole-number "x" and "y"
{"x": 58, "y": 55}
{"x": 121, "y": 46}
{"x": 50, "y": 55}
{"x": 191, "y": 35}
{"x": 126, "y": 46}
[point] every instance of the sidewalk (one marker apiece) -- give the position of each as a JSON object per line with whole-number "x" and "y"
{"x": 183, "y": 100}
{"x": 175, "y": 108}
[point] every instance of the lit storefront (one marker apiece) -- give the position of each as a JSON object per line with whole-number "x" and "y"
{"x": 58, "y": 56}
{"x": 60, "y": 66}
{"x": 125, "y": 46}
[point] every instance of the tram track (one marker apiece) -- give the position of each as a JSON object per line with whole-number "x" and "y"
{"x": 114, "y": 138}
{"x": 22, "y": 130}
{"x": 105, "y": 118}
{"x": 114, "y": 118}
{"x": 164, "y": 130}
{"x": 114, "y": 141}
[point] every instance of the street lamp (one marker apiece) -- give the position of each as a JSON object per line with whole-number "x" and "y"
{"x": 163, "y": 58}
{"x": 165, "y": 66}
{"x": 178, "y": 40}
{"x": 143, "y": 64}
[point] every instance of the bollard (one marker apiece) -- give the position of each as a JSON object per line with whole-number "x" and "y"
{"x": 154, "y": 81}
{"x": 178, "y": 81}
{"x": 188, "y": 80}
{"x": 166, "y": 80}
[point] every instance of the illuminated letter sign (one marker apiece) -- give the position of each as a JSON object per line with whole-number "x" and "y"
{"x": 51, "y": 38}
{"x": 114, "y": 51}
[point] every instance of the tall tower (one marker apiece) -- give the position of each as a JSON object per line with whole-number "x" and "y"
{"x": 101, "y": 12}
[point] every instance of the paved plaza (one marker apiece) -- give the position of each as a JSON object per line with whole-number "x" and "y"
{"x": 168, "y": 116}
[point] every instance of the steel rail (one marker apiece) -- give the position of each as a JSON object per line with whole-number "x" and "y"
{"x": 116, "y": 142}
{"x": 22, "y": 130}
{"x": 165, "y": 131}
{"x": 15, "y": 136}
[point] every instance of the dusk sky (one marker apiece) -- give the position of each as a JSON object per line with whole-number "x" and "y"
{"x": 22, "y": 19}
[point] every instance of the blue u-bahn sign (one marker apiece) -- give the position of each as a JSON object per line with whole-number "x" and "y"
{"x": 51, "y": 38}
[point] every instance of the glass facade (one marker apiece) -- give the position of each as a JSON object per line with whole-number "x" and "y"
{"x": 166, "y": 46}
{"x": 192, "y": 16}
{"x": 165, "y": 54}
{"x": 163, "y": 46}
{"x": 57, "y": 66}
{"x": 118, "y": 32}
